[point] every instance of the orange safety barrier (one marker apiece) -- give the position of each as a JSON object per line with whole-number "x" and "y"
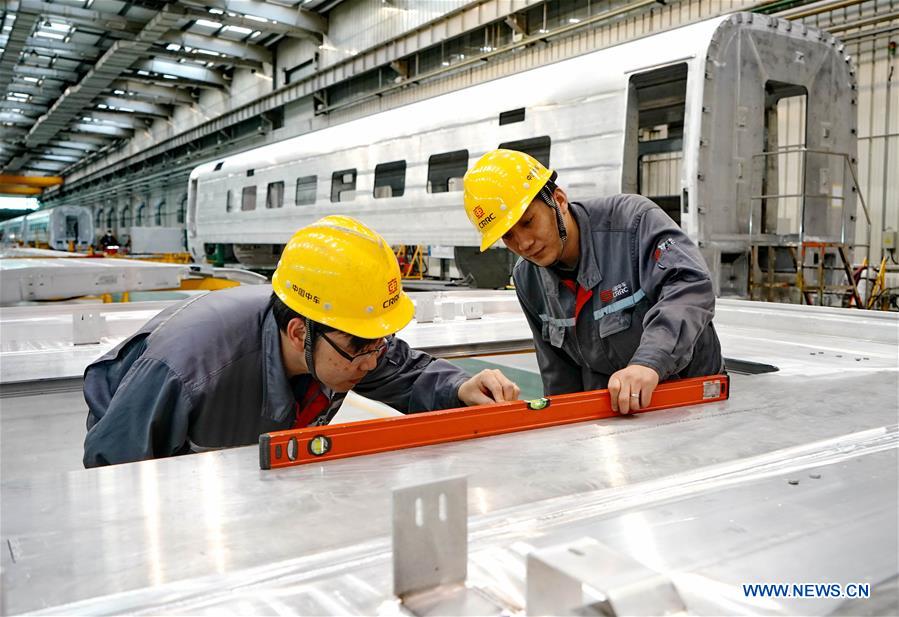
{"x": 322, "y": 443}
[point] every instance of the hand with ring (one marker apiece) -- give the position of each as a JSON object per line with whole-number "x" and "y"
{"x": 631, "y": 388}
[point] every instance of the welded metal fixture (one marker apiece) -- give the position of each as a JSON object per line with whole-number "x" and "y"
{"x": 557, "y": 577}
{"x": 430, "y": 550}
{"x": 712, "y": 87}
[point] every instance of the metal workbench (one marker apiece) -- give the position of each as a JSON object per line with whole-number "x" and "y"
{"x": 792, "y": 480}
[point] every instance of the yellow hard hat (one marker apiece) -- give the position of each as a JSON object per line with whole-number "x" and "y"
{"x": 340, "y": 273}
{"x": 499, "y": 188}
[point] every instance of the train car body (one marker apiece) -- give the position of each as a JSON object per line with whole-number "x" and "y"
{"x": 11, "y": 231}
{"x": 56, "y": 228}
{"x": 703, "y": 97}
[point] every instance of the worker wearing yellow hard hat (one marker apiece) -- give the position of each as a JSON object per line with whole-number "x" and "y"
{"x": 220, "y": 369}
{"x": 616, "y": 294}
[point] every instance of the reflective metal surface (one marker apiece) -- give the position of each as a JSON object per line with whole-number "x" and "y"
{"x": 36, "y": 342}
{"x": 55, "y": 279}
{"x": 792, "y": 480}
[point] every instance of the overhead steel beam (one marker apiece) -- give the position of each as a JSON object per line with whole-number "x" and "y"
{"x": 151, "y": 92}
{"x": 10, "y": 133}
{"x": 216, "y": 59}
{"x": 107, "y": 69}
{"x": 56, "y": 157}
{"x": 251, "y": 24}
{"x": 50, "y": 91}
{"x": 45, "y": 166}
{"x": 40, "y": 181}
{"x": 142, "y": 107}
{"x": 296, "y": 19}
{"x": 66, "y": 147}
{"x": 15, "y": 118}
{"x": 73, "y": 138}
{"x": 70, "y": 50}
{"x": 17, "y": 189}
{"x": 54, "y": 150}
{"x": 37, "y": 163}
{"x": 15, "y": 43}
{"x": 64, "y": 54}
{"x": 99, "y": 20}
{"x": 45, "y": 73}
{"x": 61, "y": 46}
{"x": 37, "y": 109}
{"x": 177, "y": 82}
{"x": 102, "y": 129}
{"x": 18, "y": 159}
{"x": 444, "y": 28}
{"x": 124, "y": 119}
{"x": 185, "y": 70}
{"x": 229, "y": 48}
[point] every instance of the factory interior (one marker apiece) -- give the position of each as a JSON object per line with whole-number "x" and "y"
{"x": 449, "y": 307}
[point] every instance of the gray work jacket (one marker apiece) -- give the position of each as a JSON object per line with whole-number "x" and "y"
{"x": 207, "y": 373}
{"x": 652, "y": 301}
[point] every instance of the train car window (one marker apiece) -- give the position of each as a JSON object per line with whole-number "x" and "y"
{"x": 343, "y": 185}
{"x": 445, "y": 171}
{"x": 251, "y": 173}
{"x": 512, "y": 116}
{"x": 229, "y": 204}
{"x": 274, "y": 195}
{"x": 248, "y": 199}
{"x": 538, "y": 147}
{"x": 306, "y": 188}
{"x": 390, "y": 179}
{"x": 652, "y": 164}
{"x": 218, "y": 165}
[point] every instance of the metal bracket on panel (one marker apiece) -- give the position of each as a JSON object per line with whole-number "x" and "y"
{"x": 559, "y": 577}
{"x": 430, "y": 551}
{"x": 87, "y": 327}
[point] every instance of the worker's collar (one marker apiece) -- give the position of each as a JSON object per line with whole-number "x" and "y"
{"x": 588, "y": 273}
{"x": 278, "y": 399}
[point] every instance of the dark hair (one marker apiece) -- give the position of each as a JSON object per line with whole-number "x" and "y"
{"x": 284, "y": 315}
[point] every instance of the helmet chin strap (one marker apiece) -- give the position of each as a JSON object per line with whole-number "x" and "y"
{"x": 308, "y": 345}
{"x": 547, "y": 196}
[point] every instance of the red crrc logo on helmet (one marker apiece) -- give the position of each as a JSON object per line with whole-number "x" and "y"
{"x": 392, "y": 286}
{"x": 479, "y": 212}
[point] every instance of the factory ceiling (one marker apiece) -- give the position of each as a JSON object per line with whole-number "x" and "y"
{"x": 78, "y": 75}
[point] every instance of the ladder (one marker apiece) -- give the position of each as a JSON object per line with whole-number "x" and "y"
{"x": 809, "y": 278}
{"x": 827, "y": 247}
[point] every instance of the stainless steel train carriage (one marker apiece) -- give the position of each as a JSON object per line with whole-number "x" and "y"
{"x": 55, "y": 228}
{"x": 688, "y": 117}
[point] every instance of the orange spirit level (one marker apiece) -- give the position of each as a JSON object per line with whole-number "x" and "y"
{"x": 323, "y": 443}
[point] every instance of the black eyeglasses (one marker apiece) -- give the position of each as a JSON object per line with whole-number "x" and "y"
{"x": 358, "y": 359}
